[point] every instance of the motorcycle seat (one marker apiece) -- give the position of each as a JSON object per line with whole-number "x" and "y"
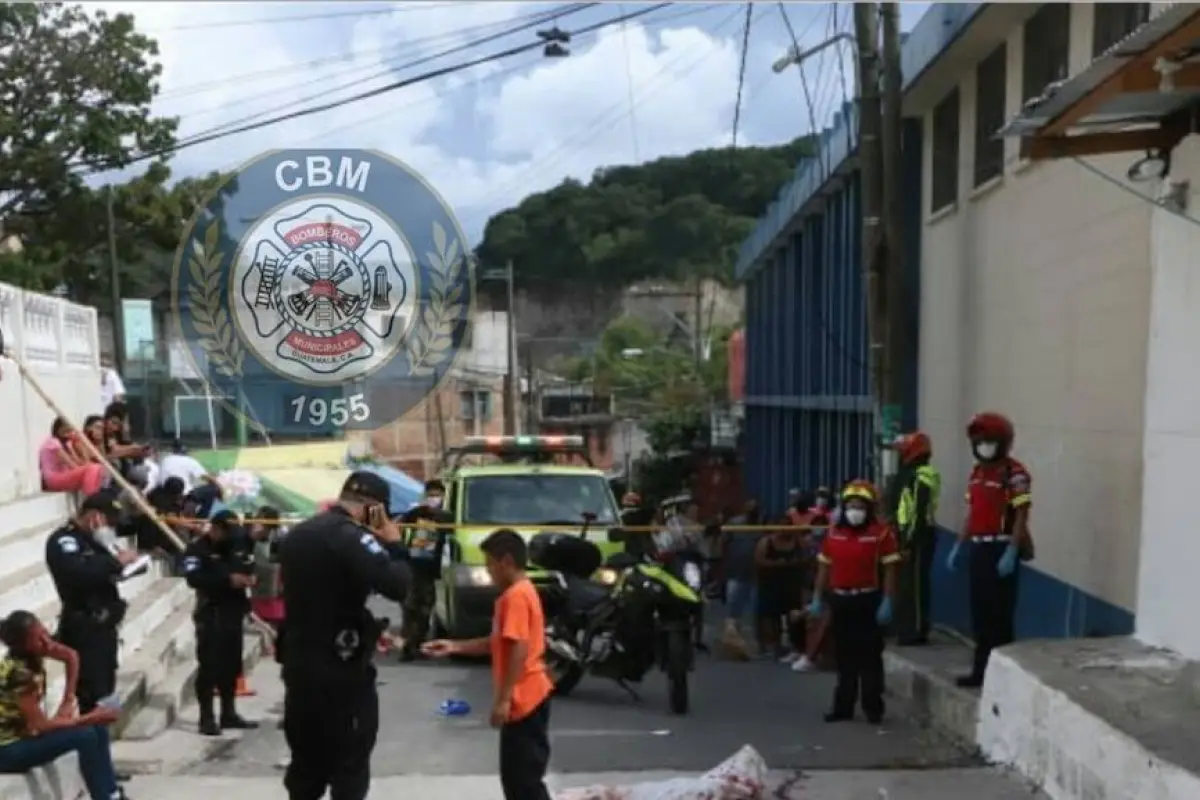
{"x": 585, "y": 594}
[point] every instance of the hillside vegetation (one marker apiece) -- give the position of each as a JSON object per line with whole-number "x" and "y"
{"x": 674, "y": 218}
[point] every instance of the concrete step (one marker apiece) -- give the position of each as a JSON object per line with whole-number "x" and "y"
{"x": 168, "y": 711}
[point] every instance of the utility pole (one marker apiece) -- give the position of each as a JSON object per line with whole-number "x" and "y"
{"x": 511, "y": 377}
{"x": 114, "y": 280}
{"x": 897, "y": 304}
{"x": 698, "y": 325}
{"x": 533, "y": 399}
{"x": 870, "y": 129}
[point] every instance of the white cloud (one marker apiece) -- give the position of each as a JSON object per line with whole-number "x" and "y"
{"x": 489, "y": 136}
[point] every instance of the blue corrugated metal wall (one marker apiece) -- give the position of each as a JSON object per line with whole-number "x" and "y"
{"x": 808, "y": 395}
{"x": 808, "y": 408}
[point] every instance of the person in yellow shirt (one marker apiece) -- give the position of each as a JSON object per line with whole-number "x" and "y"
{"x": 521, "y": 700}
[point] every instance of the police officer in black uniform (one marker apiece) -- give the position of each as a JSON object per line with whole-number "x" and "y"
{"x": 330, "y": 565}
{"x": 86, "y": 574}
{"x": 219, "y": 565}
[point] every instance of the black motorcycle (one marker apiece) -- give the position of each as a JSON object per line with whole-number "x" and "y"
{"x": 636, "y": 616}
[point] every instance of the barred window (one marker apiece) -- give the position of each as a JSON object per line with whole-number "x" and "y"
{"x": 1047, "y": 41}
{"x": 1115, "y": 21}
{"x": 991, "y": 80}
{"x": 945, "y": 153}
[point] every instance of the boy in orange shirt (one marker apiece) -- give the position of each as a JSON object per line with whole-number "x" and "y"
{"x": 521, "y": 700}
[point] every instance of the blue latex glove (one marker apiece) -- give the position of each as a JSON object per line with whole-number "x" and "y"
{"x": 884, "y": 614}
{"x": 1007, "y": 562}
{"x": 816, "y": 607}
{"x": 952, "y": 559}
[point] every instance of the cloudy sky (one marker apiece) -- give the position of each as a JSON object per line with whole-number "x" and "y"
{"x": 663, "y": 84}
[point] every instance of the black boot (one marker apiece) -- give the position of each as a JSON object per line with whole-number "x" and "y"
{"x": 230, "y": 719}
{"x": 839, "y": 716}
{"x": 208, "y": 725}
{"x": 208, "y": 721}
{"x": 970, "y": 681}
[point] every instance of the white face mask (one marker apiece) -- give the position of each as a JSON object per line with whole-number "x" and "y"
{"x": 855, "y": 516}
{"x": 986, "y": 451}
{"x": 434, "y": 501}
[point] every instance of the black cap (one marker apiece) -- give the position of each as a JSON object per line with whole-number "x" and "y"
{"x": 368, "y": 486}
{"x": 105, "y": 503}
{"x": 225, "y": 518}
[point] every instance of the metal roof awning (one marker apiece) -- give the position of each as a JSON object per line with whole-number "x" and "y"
{"x": 1140, "y": 94}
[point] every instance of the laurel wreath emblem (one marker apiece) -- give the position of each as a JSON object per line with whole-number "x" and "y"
{"x": 430, "y": 340}
{"x": 210, "y": 318}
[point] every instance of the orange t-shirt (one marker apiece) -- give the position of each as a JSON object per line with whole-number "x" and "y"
{"x": 518, "y": 618}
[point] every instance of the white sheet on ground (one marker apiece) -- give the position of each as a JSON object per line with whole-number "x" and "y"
{"x": 742, "y": 776}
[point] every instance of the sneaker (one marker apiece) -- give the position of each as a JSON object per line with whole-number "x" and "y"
{"x": 802, "y": 664}
{"x": 789, "y": 658}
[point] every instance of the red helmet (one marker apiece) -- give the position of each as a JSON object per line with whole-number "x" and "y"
{"x": 912, "y": 446}
{"x": 990, "y": 425}
{"x": 860, "y": 490}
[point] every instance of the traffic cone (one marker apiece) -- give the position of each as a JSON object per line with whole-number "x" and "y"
{"x": 241, "y": 688}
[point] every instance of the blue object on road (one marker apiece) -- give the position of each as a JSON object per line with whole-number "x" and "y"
{"x": 952, "y": 559}
{"x": 454, "y": 708}
{"x": 1008, "y": 561}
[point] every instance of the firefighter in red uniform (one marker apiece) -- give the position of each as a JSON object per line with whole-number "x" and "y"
{"x": 849, "y": 572}
{"x": 997, "y": 528}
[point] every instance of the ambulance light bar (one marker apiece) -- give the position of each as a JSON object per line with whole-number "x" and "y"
{"x": 522, "y": 444}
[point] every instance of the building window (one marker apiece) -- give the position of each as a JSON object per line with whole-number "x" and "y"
{"x": 1115, "y": 21}
{"x": 1047, "y": 42}
{"x": 476, "y": 404}
{"x": 945, "y": 153}
{"x": 991, "y": 79}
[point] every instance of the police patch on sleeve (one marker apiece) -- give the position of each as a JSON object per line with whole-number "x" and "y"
{"x": 68, "y": 544}
{"x": 332, "y": 287}
{"x": 191, "y": 564}
{"x": 372, "y": 545}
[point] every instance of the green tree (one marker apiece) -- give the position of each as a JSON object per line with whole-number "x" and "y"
{"x": 674, "y": 218}
{"x": 75, "y": 93}
{"x": 70, "y": 246}
{"x": 75, "y": 88}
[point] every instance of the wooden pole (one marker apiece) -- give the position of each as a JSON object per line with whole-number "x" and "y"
{"x": 870, "y": 123}
{"x": 117, "y": 477}
{"x": 897, "y": 303}
{"x": 113, "y": 472}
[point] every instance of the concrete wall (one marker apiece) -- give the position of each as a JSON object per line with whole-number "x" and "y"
{"x": 1168, "y": 591}
{"x": 1035, "y": 302}
{"x": 58, "y": 342}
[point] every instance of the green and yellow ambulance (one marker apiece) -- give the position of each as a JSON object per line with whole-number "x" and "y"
{"x": 525, "y": 483}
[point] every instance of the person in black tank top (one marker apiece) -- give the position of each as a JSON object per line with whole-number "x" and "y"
{"x": 781, "y": 566}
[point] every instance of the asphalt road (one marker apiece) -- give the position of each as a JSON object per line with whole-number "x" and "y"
{"x": 601, "y": 729}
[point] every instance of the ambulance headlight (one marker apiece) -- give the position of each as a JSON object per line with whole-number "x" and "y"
{"x": 605, "y": 576}
{"x": 472, "y": 576}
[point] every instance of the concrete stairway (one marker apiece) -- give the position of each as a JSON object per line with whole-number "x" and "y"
{"x": 157, "y": 637}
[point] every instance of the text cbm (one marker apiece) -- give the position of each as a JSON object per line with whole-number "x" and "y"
{"x": 318, "y": 172}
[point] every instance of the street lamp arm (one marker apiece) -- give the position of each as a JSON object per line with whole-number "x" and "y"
{"x": 796, "y": 56}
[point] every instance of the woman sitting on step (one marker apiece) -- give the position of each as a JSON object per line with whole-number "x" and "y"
{"x": 61, "y": 470}
{"x": 28, "y": 738}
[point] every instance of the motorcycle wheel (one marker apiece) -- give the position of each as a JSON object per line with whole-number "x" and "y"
{"x": 677, "y": 672}
{"x": 564, "y": 673}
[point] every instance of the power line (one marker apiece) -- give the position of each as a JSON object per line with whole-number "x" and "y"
{"x": 363, "y": 12}
{"x": 633, "y": 128}
{"x": 93, "y": 167}
{"x": 850, "y": 358}
{"x": 598, "y": 125}
{"x": 307, "y": 67}
{"x": 380, "y": 74}
{"x": 741, "y": 84}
